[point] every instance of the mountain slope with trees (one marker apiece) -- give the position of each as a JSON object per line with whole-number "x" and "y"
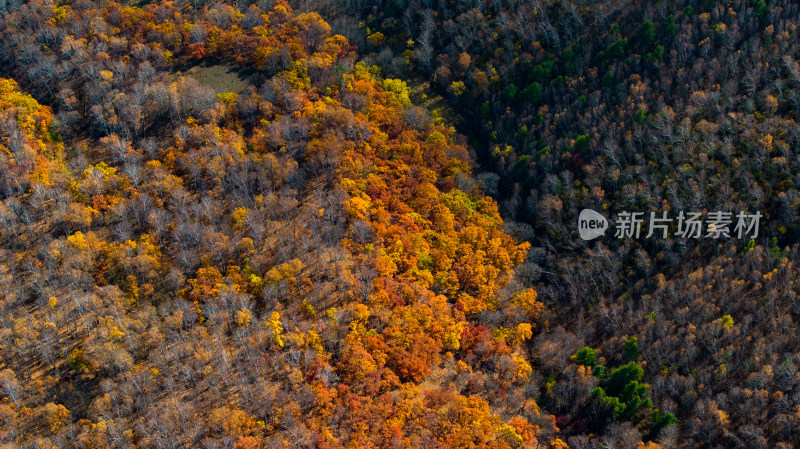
{"x": 642, "y": 107}
{"x": 229, "y": 226}
{"x": 276, "y": 268}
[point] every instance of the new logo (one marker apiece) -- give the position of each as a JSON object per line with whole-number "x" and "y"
{"x": 591, "y": 224}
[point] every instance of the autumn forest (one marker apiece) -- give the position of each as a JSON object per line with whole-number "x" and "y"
{"x": 354, "y": 224}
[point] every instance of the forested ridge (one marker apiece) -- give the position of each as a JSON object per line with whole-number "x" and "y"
{"x": 643, "y": 107}
{"x": 277, "y": 268}
{"x": 232, "y": 226}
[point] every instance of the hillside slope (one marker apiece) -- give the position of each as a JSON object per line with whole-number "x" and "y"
{"x": 309, "y": 261}
{"x": 305, "y": 264}
{"x": 644, "y": 107}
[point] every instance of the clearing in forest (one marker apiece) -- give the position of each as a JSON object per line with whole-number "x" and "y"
{"x": 220, "y": 77}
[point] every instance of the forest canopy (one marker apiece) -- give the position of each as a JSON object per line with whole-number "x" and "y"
{"x": 325, "y": 224}
{"x": 305, "y": 263}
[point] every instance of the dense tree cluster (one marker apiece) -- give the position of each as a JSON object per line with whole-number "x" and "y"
{"x": 309, "y": 260}
{"x": 307, "y": 263}
{"x": 649, "y": 107}
{"x": 577, "y": 105}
